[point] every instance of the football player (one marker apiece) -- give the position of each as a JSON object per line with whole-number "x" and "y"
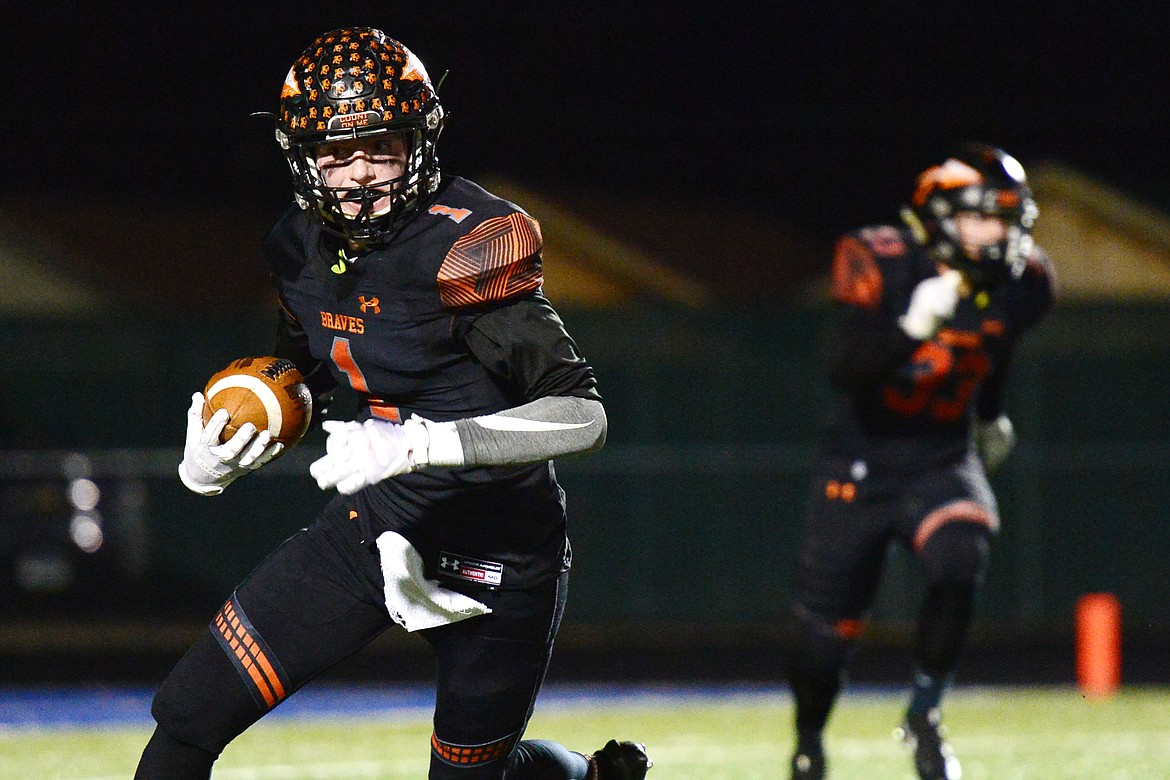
{"x": 421, "y": 293}
{"x": 927, "y": 316}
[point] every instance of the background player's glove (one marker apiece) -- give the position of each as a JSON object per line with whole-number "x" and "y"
{"x": 994, "y": 440}
{"x": 208, "y": 466}
{"x": 932, "y": 303}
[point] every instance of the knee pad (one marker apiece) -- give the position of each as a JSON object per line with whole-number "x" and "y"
{"x": 956, "y": 554}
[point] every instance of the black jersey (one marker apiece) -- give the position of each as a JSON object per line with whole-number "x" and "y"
{"x": 447, "y": 321}
{"x": 906, "y": 403}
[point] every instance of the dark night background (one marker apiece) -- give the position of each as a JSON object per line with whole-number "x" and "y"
{"x": 814, "y": 118}
{"x": 815, "y": 115}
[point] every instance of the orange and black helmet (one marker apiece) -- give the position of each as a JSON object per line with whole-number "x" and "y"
{"x": 982, "y": 179}
{"x": 356, "y": 83}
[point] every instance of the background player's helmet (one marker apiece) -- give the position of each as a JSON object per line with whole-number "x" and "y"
{"x": 978, "y": 178}
{"x": 356, "y": 83}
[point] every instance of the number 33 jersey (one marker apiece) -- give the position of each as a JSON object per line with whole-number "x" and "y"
{"x": 447, "y": 321}
{"x": 906, "y": 403}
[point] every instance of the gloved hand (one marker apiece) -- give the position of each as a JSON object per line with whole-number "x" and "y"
{"x": 932, "y": 302}
{"x": 208, "y": 466}
{"x": 994, "y": 440}
{"x": 360, "y": 454}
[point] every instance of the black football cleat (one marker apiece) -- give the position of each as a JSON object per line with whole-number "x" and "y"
{"x": 808, "y": 764}
{"x": 620, "y": 761}
{"x": 933, "y": 757}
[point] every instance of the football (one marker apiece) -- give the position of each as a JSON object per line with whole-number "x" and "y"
{"x": 268, "y": 392}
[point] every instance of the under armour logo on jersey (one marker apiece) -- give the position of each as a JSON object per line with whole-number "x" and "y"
{"x": 449, "y": 563}
{"x": 458, "y": 215}
{"x": 369, "y": 303}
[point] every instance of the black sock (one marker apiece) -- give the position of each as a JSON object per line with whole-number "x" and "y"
{"x": 165, "y": 758}
{"x": 942, "y": 627}
{"x": 816, "y": 671}
{"x": 942, "y": 630}
{"x": 815, "y": 695}
{"x": 926, "y": 692}
{"x": 809, "y": 743}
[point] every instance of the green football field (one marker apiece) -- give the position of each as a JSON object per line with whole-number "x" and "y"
{"x": 1000, "y": 733}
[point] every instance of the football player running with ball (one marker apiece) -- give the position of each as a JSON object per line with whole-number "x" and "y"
{"x": 927, "y": 316}
{"x": 422, "y": 293}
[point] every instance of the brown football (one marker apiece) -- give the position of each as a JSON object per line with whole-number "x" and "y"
{"x": 268, "y": 392}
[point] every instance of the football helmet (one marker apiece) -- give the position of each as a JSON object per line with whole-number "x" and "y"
{"x": 358, "y": 83}
{"x": 983, "y": 179}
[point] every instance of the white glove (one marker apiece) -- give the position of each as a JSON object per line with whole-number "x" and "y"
{"x": 994, "y": 440}
{"x": 360, "y": 454}
{"x": 932, "y": 302}
{"x": 208, "y": 466}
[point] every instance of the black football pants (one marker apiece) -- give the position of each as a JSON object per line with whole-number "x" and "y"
{"x": 944, "y": 515}
{"x": 851, "y": 523}
{"x": 316, "y": 600}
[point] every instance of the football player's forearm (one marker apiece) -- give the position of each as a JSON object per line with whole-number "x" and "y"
{"x": 546, "y": 428}
{"x": 864, "y": 348}
{"x": 989, "y": 404}
{"x": 293, "y": 343}
{"x": 361, "y": 454}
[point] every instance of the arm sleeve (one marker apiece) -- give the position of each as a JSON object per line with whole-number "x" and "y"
{"x": 283, "y": 252}
{"x": 1033, "y": 294}
{"x": 1036, "y": 289}
{"x": 525, "y": 344}
{"x": 864, "y": 340}
{"x": 293, "y": 343}
{"x": 550, "y": 427}
{"x": 989, "y": 405}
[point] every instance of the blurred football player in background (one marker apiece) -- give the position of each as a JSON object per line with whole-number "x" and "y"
{"x": 422, "y": 293}
{"x": 927, "y": 316}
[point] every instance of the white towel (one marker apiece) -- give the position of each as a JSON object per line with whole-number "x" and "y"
{"x": 414, "y": 601}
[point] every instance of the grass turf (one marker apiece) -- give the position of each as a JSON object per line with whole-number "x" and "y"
{"x": 1000, "y": 733}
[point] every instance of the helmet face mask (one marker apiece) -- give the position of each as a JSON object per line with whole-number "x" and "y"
{"x": 356, "y": 84}
{"x": 353, "y": 212}
{"x": 983, "y": 180}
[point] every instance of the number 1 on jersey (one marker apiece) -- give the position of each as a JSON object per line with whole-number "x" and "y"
{"x": 343, "y": 359}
